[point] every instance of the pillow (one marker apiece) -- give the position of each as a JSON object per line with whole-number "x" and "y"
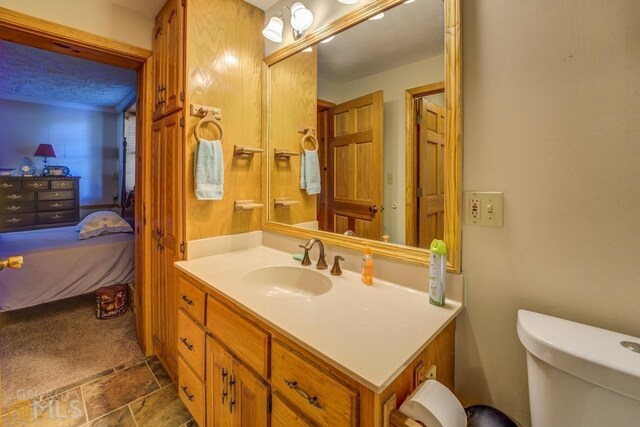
{"x": 102, "y": 222}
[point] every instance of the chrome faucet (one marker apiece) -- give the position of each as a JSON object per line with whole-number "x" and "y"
{"x": 322, "y": 263}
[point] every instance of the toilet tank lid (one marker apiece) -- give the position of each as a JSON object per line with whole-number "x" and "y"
{"x": 587, "y": 352}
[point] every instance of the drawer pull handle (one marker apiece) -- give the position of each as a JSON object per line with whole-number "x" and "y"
{"x": 63, "y": 184}
{"x": 55, "y": 205}
{"x": 57, "y": 194}
{"x": 34, "y": 185}
{"x": 232, "y": 399}
{"x": 185, "y": 390}
{"x": 5, "y": 185}
{"x": 56, "y": 217}
{"x": 13, "y": 208}
{"x": 14, "y": 196}
{"x": 187, "y": 300}
{"x": 14, "y": 220}
{"x": 186, "y": 343}
{"x": 223, "y": 375}
{"x": 293, "y": 385}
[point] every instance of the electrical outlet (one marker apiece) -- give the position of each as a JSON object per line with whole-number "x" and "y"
{"x": 483, "y": 208}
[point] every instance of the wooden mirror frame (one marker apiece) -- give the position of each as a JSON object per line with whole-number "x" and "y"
{"x": 453, "y": 126}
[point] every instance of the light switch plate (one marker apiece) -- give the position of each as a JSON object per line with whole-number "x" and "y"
{"x": 483, "y": 208}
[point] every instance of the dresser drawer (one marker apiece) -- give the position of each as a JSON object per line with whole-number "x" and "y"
{"x": 191, "y": 343}
{"x": 16, "y": 196}
{"x": 62, "y": 185}
{"x": 56, "y": 205}
{"x": 319, "y": 395}
{"x": 35, "y": 185}
{"x": 56, "y": 217}
{"x": 190, "y": 298}
{"x": 16, "y": 207}
{"x": 56, "y": 195}
{"x": 191, "y": 391}
{"x": 17, "y": 220}
{"x": 246, "y": 340}
{"x": 9, "y": 185}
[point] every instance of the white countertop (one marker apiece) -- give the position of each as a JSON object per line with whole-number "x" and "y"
{"x": 370, "y": 333}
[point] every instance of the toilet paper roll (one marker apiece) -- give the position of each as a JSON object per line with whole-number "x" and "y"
{"x": 434, "y": 405}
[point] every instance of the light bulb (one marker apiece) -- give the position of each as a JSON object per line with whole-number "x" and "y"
{"x": 301, "y": 17}
{"x": 273, "y": 30}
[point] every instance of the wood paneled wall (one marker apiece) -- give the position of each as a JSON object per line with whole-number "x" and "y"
{"x": 224, "y": 50}
{"x": 293, "y": 98}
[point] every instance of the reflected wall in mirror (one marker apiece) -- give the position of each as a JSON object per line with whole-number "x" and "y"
{"x": 351, "y": 90}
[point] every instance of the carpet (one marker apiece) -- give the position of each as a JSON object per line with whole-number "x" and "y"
{"x": 52, "y": 346}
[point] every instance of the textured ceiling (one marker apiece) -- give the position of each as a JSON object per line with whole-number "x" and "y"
{"x": 406, "y": 34}
{"x": 35, "y": 75}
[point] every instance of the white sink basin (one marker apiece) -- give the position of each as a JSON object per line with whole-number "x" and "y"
{"x": 284, "y": 281}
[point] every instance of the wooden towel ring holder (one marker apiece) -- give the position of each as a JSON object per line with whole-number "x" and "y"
{"x": 310, "y": 134}
{"x": 209, "y": 117}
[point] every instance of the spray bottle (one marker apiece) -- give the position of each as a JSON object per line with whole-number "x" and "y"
{"x": 437, "y": 272}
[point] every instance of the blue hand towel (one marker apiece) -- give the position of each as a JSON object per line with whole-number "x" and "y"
{"x": 209, "y": 170}
{"x": 310, "y": 172}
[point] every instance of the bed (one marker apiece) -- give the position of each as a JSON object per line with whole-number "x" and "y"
{"x": 57, "y": 265}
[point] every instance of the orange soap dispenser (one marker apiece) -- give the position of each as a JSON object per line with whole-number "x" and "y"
{"x": 367, "y": 266}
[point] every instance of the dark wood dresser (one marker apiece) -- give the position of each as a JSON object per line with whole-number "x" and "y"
{"x": 33, "y": 202}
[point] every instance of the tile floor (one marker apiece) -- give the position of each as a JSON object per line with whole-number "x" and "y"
{"x": 138, "y": 396}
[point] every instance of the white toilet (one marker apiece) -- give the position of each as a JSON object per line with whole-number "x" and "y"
{"x": 579, "y": 376}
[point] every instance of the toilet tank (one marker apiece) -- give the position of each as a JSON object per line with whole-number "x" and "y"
{"x": 579, "y": 375}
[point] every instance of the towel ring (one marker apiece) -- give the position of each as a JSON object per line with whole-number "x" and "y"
{"x": 208, "y": 118}
{"x": 310, "y": 135}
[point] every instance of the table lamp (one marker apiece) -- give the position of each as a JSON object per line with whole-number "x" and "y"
{"x": 45, "y": 150}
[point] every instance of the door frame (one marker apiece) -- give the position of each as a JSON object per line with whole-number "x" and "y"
{"x": 35, "y": 32}
{"x": 410, "y": 95}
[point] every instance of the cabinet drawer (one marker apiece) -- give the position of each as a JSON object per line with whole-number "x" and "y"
{"x": 56, "y": 205}
{"x": 282, "y": 414}
{"x": 190, "y": 298}
{"x": 191, "y": 391}
{"x": 17, "y": 196}
{"x": 56, "y": 195}
{"x": 17, "y": 220}
{"x": 36, "y": 185}
{"x": 191, "y": 342}
{"x": 16, "y": 207}
{"x": 62, "y": 185}
{"x": 246, "y": 340}
{"x": 56, "y": 217}
{"x": 320, "y": 396}
{"x": 9, "y": 185}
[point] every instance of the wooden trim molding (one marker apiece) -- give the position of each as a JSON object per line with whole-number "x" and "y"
{"x": 410, "y": 160}
{"x": 453, "y": 129}
{"x": 27, "y": 30}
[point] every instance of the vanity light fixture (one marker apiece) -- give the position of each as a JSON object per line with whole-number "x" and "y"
{"x": 328, "y": 39}
{"x": 409, "y": 1}
{"x": 349, "y": 1}
{"x": 301, "y": 20}
{"x": 308, "y": 50}
{"x": 376, "y": 17}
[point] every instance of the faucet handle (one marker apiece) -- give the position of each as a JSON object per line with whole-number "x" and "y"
{"x": 305, "y": 259}
{"x": 335, "y": 270}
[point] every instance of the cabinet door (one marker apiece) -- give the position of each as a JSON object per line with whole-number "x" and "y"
{"x": 159, "y": 61}
{"x": 174, "y": 54}
{"x": 157, "y": 278}
{"x": 252, "y": 398}
{"x": 219, "y": 371}
{"x": 171, "y": 226}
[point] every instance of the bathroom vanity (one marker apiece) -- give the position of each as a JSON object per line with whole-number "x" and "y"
{"x": 261, "y": 338}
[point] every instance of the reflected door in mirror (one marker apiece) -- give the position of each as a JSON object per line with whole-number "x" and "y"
{"x": 355, "y": 166}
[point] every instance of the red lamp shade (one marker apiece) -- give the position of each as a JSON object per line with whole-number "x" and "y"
{"x": 45, "y": 150}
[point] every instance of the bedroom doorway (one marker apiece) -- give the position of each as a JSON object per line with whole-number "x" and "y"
{"x": 33, "y": 32}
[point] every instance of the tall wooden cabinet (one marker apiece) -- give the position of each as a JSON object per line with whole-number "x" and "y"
{"x": 168, "y": 50}
{"x": 167, "y": 160}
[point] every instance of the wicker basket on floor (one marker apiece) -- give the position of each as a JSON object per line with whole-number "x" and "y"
{"x": 111, "y": 301}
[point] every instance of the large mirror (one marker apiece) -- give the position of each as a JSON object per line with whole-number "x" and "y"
{"x": 357, "y": 131}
